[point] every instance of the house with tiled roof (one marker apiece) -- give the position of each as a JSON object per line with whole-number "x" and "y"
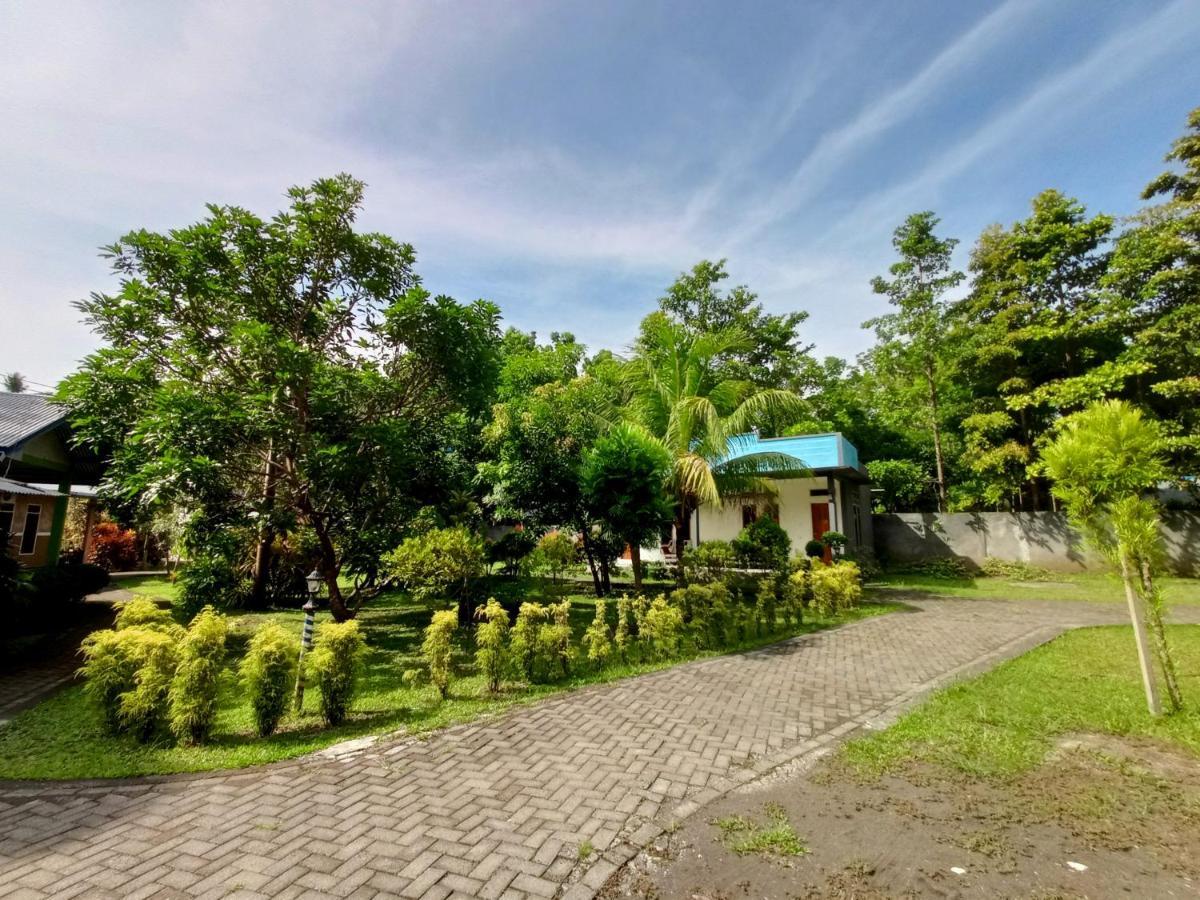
{"x": 38, "y": 466}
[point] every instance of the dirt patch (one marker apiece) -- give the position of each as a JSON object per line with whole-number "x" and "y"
{"x": 1102, "y": 818}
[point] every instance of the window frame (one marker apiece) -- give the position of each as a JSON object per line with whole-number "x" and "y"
{"x": 33, "y": 510}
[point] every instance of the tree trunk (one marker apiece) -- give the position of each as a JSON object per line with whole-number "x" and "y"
{"x": 1159, "y": 632}
{"x": 635, "y": 557}
{"x": 591, "y": 559}
{"x": 1139, "y": 633}
{"x": 937, "y": 435}
{"x": 266, "y": 537}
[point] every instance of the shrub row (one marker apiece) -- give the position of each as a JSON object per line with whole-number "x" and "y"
{"x": 538, "y": 646}
{"x": 148, "y": 675}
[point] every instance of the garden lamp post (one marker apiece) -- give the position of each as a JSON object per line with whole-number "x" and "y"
{"x": 313, "y": 581}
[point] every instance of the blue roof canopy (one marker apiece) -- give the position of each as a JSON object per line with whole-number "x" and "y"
{"x": 822, "y": 453}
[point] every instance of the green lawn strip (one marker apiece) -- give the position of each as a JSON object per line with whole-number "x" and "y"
{"x": 1005, "y": 722}
{"x": 62, "y": 738}
{"x": 1095, "y": 587}
{"x": 157, "y": 587}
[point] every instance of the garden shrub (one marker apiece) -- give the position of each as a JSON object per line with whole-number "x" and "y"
{"x": 66, "y": 583}
{"x": 555, "y": 552}
{"x": 438, "y": 647}
{"x": 763, "y": 544}
{"x": 1007, "y": 568}
{"x": 554, "y": 640}
{"x": 720, "y": 622}
{"x": 814, "y": 549}
{"x": 268, "y": 672}
{"x": 530, "y": 617}
{"x": 941, "y": 567}
{"x": 836, "y": 588}
{"x": 108, "y": 669}
{"x": 836, "y": 542}
{"x": 662, "y": 629}
{"x": 596, "y": 640}
{"x": 142, "y": 612}
{"x": 193, "y": 694}
{"x": 209, "y": 579}
{"x": 707, "y": 561}
{"x": 143, "y": 708}
{"x": 114, "y": 548}
{"x": 765, "y": 606}
{"x": 437, "y": 564}
{"x": 491, "y": 643}
{"x": 335, "y": 660}
{"x": 623, "y": 639}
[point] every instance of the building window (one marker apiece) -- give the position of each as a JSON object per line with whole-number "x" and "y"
{"x": 6, "y": 523}
{"x": 749, "y": 515}
{"x": 33, "y": 516}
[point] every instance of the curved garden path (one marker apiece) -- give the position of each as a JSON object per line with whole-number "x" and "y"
{"x": 500, "y": 807}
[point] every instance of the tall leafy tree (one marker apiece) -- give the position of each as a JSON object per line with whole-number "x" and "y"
{"x": 1040, "y": 339}
{"x": 14, "y": 383}
{"x": 914, "y": 336}
{"x": 624, "y": 476}
{"x": 280, "y": 374}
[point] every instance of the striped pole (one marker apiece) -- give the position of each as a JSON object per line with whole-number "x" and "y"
{"x": 305, "y": 646}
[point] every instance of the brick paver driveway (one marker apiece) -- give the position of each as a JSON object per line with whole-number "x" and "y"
{"x": 501, "y": 807}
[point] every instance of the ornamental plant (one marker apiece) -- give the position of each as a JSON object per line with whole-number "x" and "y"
{"x": 530, "y": 617}
{"x": 765, "y": 606}
{"x": 708, "y": 561}
{"x": 193, "y": 693}
{"x": 596, "y": 640}
{"x": 268, "y": 673}
{"x": 142, "y": 612}
{"x": 555, "y": 552}
{"x": 622, "y": 638}
{"x": 835, "y": 588}
{"x": 335, "y": 662}
{"x": 763, "y": 544}
{"x": 438, "y": 564}
{"x": 554, "y": 640}
{"x": 143, "y": 709}
{"x": 111, "y": 661}
{"x": 492, "y": 656}
{"x": 663, "y": 629}
{"x": 438, "y": 647}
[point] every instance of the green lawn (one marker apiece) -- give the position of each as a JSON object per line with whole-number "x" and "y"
{"x": 1096, "y": 587}
{"x": 1004, "y": 723}
{"x": 63, "y": 737}
{"x": 157, "y": 587}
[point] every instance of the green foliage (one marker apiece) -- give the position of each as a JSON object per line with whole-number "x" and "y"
{"x": 766, "y": 606}
{"x": 268, "y": 673}
{"x": 491, "y": 644}
{"x": 836, "y": 588}
{"x": 596, "y": 639}
{"x": 437, "y": 564}
{"x": 622, "y": 638}
{"x": 1015, "y": 569}
{"x": 662, "y": 629}
{"x": 210, "y": 578}
{"x": 438, "y": 649}
{"x": 555, "y": 552}
{"x": 774, "y": 837}
{"x": 950, "y": 567}
{"x": 109, "y": 664}
{"x": 554, "y": 650}
{"x": 707, "y": 561}
{"x": 814, "y": 549}
{"x": 835, "y": 541}
{"x": 142, "y": 612}
{"x": 193, "y": 693}
{"x": 511, "y": 550}
{"x": 335, "y": 661}
{"x": 763, "y": 544}
{"x": 144, "y": 708}
{"x": 900, "y": 482}
{"x": 525, "y": 646}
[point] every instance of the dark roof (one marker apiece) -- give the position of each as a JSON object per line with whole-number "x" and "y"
{"x": 24, "y": 416}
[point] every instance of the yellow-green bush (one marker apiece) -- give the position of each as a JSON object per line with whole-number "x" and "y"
{"x": 662, "y": 629}
{"x": 836, "y": 587}
{"x": 269, "y": 673}
{"x": 530, "y": 618}
{"x": 765, "y": 606}
{"x": 193, "y": 692}
{"x": 143, "y": 709}
{"x": 554, "y": 641}
{"x": 142, "y": 612}
{"x": 335, "y": 661}
{"x": 438, "y": 647}
{"x": 623, "y": 638}
{"x": 112, "y": 661}
{"x": 596, "y": 640}
{"x": 491, "y": 643}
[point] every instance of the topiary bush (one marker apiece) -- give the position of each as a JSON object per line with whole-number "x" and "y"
{"x": 814, "y": 550}
{"x": 763, "y": 544}
{"x": 492, "y": 655}
{"x": 193, "y": 694}
{"x": 438, "y": 648}
{"x": 596, "y": 640}
{"x": 268, "y": 672}
{"x": 335, "y": 661}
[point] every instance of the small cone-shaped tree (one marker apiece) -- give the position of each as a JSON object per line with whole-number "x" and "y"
{"x": 1102, "y": 462}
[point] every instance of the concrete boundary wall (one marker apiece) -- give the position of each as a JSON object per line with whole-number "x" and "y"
{"x": 1041, "y": 539}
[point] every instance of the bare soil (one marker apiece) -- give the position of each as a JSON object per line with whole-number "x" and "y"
{"x": 1127, "y": 811}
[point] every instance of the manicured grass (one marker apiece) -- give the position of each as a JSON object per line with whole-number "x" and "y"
{"x": 1005, "y": 722}
{"x": 1096, "y": 587}
{"x": 157, "y": 587}
{"x": 63, "y": 737}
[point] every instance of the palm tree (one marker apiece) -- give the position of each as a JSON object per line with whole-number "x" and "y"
{"x": 680, "y": 398}
{"x": 14, "y": 383}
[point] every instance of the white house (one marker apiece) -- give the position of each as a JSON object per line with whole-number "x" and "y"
{"x": 836, "y": 497}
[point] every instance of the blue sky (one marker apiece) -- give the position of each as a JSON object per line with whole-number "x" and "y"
{"x": 567, "y": 159}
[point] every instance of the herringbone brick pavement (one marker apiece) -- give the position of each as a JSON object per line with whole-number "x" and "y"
{"x": 500, "y": 807}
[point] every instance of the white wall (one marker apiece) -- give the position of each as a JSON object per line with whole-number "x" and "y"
{"x": 723, "y": 522}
